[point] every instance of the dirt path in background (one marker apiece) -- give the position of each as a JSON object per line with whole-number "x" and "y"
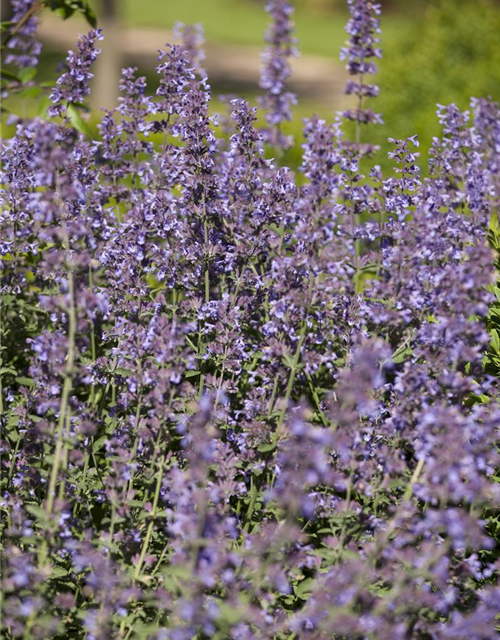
{"x": 314, "y": 77}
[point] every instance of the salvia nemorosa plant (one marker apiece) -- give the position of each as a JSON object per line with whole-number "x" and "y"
{"x": 237, "y": 405}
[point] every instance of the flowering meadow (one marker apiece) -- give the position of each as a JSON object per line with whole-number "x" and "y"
{"x": 239, "y": 401}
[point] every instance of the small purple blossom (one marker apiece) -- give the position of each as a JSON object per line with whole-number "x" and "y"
{"x": 23, "y": 47}
{"x": 73, "y": 85}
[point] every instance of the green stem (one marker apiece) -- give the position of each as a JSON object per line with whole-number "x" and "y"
{"x": 416, "y": 474}
{"x": 149, "y": 532}
{"x": 205, "y": 234}
{"x": 207, "y": 296}
{"x": 273, "y": 396}
{"x": 113, "y": 523}
{"x": 315, "y": 396}
{"x": 291, "y": 380}
{"x": 13, "y": 460}
{"x": 345, "y": 510}
{"x": 160, "y": 559}
{"x": 253, "y": 500}
{"x": 64, "y": 456}
{"x": 360, "y": 106}
{"x": 93, "y": 350}
{"x": 67, "y": 386}
{"x": 136, "y": 439}
{"x": 129, "y": 633}
{"x": 357, "y": 247}
{"x": 393, "y": 522}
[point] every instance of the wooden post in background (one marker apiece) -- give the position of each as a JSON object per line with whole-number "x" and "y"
{"x": 109, "y": 64}
{"x": 5, "y": 10}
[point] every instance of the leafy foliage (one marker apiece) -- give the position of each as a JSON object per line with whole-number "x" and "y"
{"x": 66, "y": 8}
{"x": 447, "y": 54}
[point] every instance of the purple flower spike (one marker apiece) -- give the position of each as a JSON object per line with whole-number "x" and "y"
{"x": 363, "y": 44}
{"x": 192, "y": 39}
{"x": 276, "y": 70}
{"x": 360, "y": 51}
{"x": 23, "y": 48}
{"x": 73, "y": 86}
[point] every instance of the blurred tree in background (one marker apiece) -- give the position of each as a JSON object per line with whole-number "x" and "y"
{"x": 446, "y": 55}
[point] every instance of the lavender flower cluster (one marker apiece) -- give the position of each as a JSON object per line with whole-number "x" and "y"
{"x": 22, "y": 47}
{"x": 236, "y": 403}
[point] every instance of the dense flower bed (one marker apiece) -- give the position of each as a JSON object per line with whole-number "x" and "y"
{"x": 236, "y": 402}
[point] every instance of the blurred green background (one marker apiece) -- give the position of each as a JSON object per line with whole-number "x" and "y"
{"x": 435, "y": 51}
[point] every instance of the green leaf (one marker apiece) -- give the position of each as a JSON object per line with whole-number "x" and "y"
{"x": 6, "y": 25}
{"x": 63, "y": 12}
{"x": 401, "y": 354}
{"x": 191, "y": 374}
{"x": 479, "y": 399}
{"x": 66, "y": 8}
{"x": 90, "y": 17}
{"x": 4, "y": 73}
{"x": 27, "y": 74}
{"x": 289, "y": 361}
{"x": 371, "y": 268}
{"x": 43, "y": 107}
{"x": 125, "y": 373}
{"x": 27, "y": 382}
{"x": 78, "y": 122}
{"x": 229, "y": 614}
{"x": 495, "y": 340}
{"x": 7, "y": 370}
{"x": 99, "y": 443}
{"x": 30, "y": 92}
{"x": 59, "y": 572}
{"x": 303, "y": 588}
{"x": 38, "y": 511}
{"x": 265, "y": 448}
{"x": 495, "y": 223}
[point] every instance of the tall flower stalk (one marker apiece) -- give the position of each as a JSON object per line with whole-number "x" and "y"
{"x": 276, "y": 70}
{"x": 360, "y": 51}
